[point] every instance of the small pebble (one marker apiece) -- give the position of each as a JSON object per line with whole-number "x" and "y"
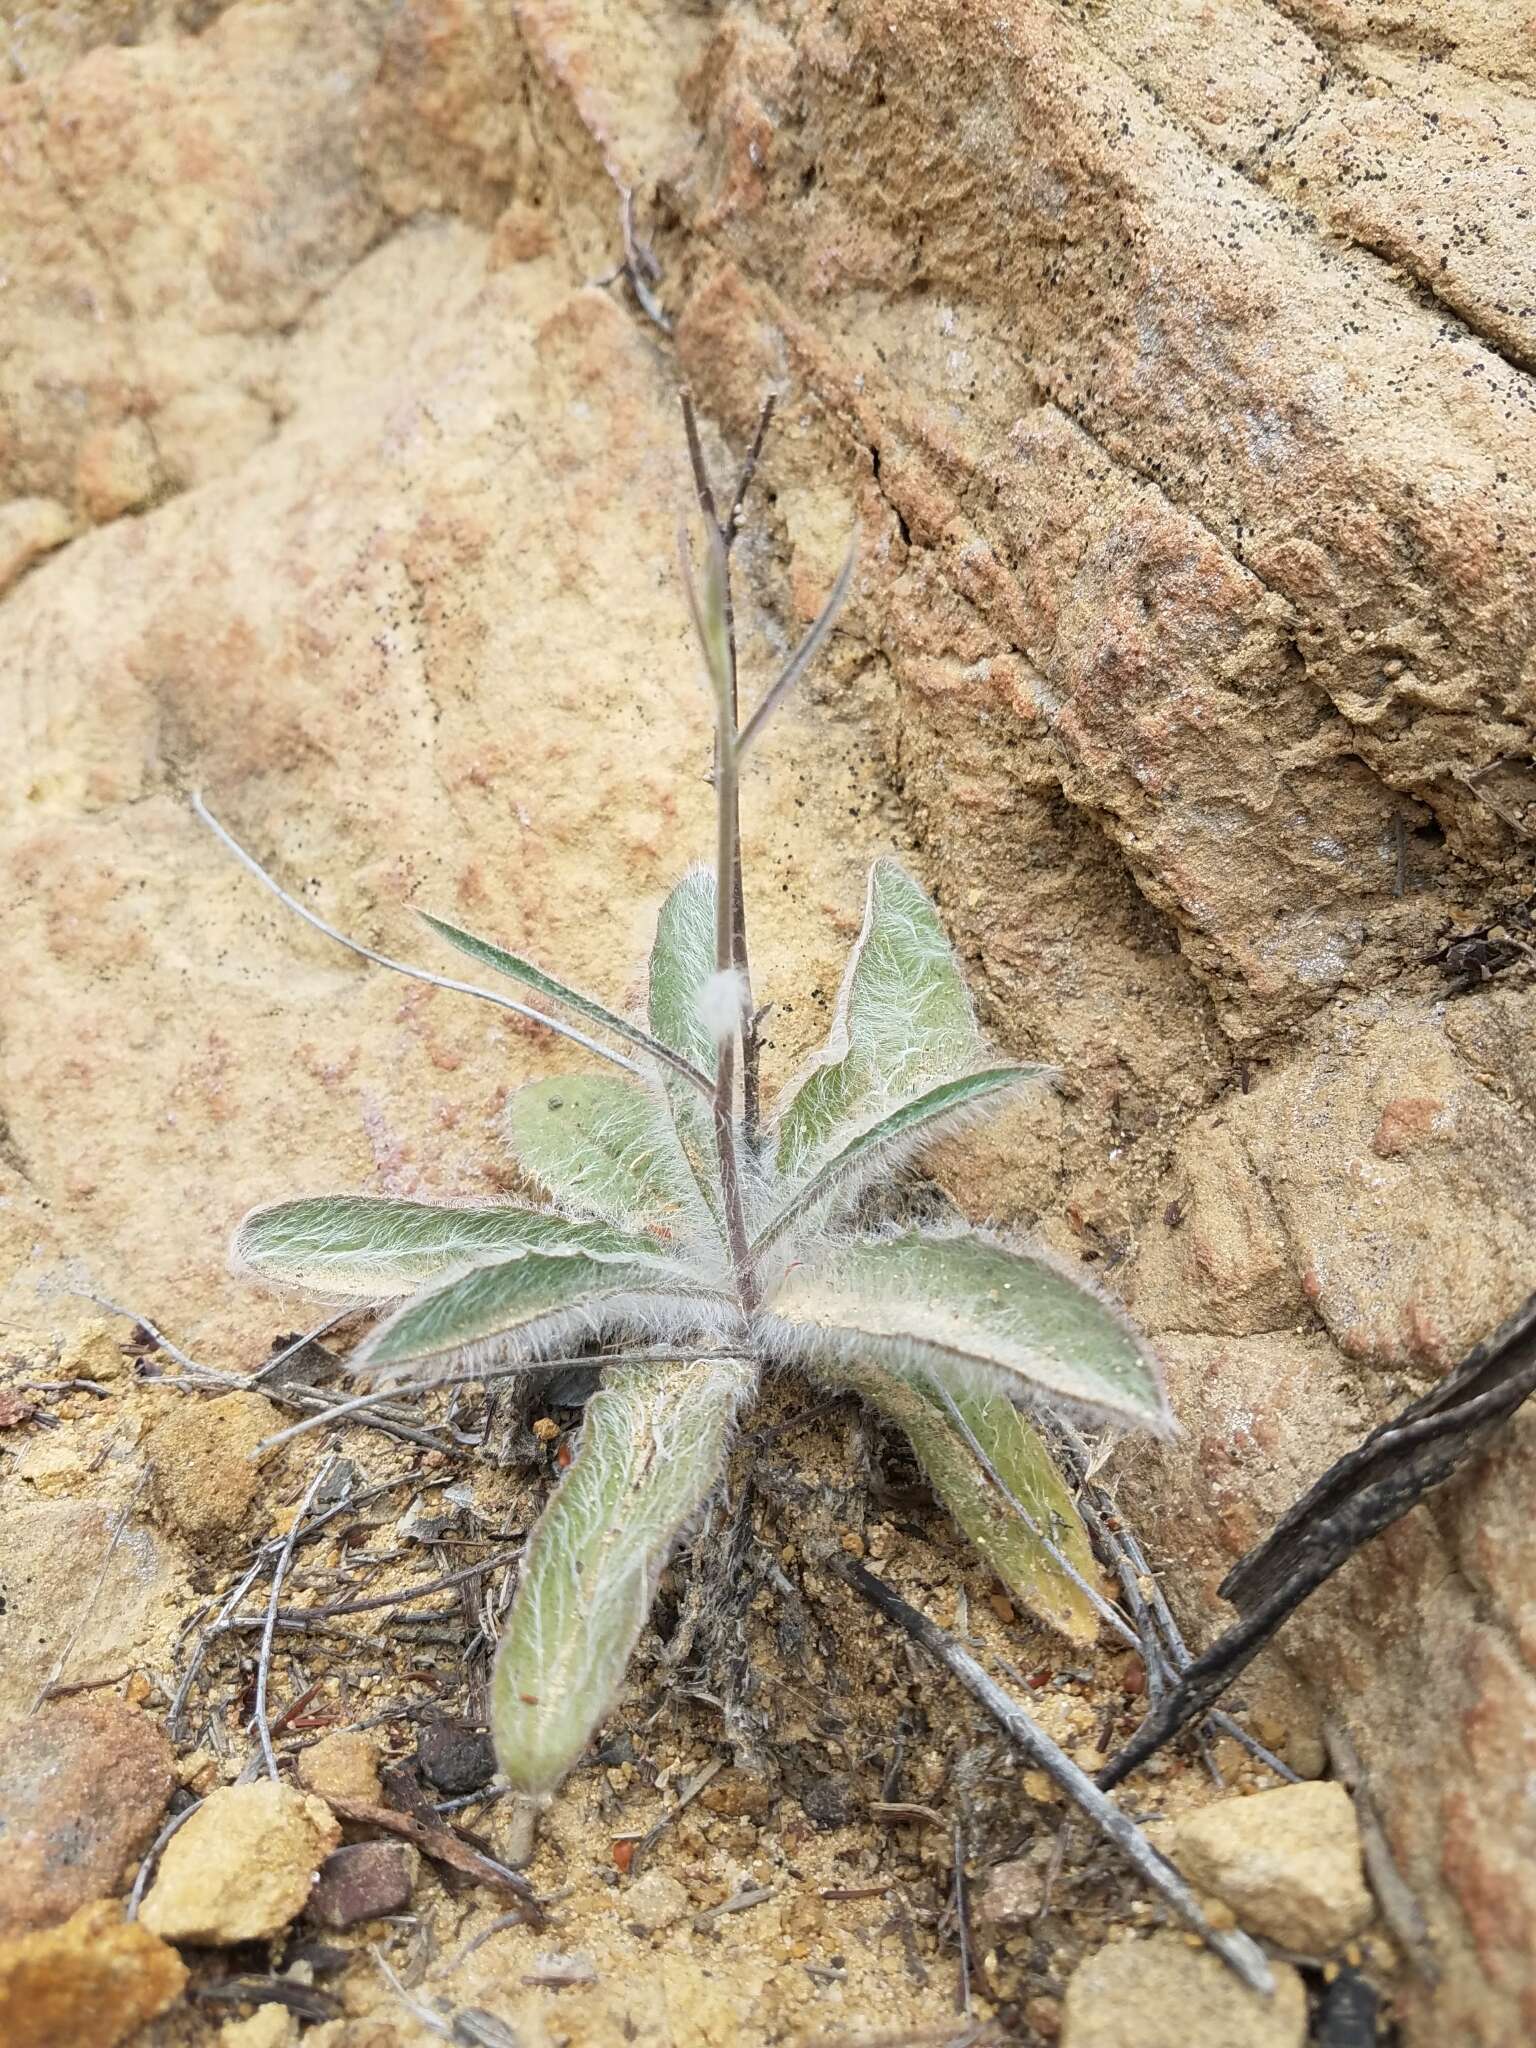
{"x": 454, "y": 1759}
{"x": 362, "y": 1882}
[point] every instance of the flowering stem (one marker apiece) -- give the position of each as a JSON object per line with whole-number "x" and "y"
{"x": 727, "y": 531}
{"x": 716, "y": 617}
{"x": 727, "y": 881}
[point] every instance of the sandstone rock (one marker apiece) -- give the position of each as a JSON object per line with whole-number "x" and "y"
{"x": 117, "y": 470}
{"x": 54, "y": 1553}
{"x": 29, "y": 529}
{"x": 1286, "y": 1861}
{"x": 1491, "y": 42}
{"x": 1168, "y": 1992}
{"x": 203, "y": 1477}
{"x": 1215, "y": 1257}
{"x": 361, "y": 1882}
{"x": 269, "y": 2026}
{"x": 93, "y": 1350}
{"x": 89, "y": 1983}
{"x": 1402, "y": 1183}
{"x": 1194, "y": 617}
{"x": 345, "y": 1765}
{"x": 82, "y": 1787}
{"x": 1398, "y": 159}
{"x": 1242, "y": 1463}
{"x": 1013, "y": 1895}
{"x": 1239, "y": 74}
{"x": 46, "y": 39}
{"x": 53, "y": 1469}
{"x": 365, "y": 2033}
{"x": 132, "y": 308}
{"x": 1119, "y": 727}
{"x": 653, "y": 1902}
{"x": 242, "y": 1867}
{"x": 738, "y": 1794}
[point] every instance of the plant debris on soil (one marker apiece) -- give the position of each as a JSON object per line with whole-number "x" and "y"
{"x": 797, "y": 1828}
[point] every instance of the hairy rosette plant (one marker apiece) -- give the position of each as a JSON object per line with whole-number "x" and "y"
{"x": 694, "y": 1242}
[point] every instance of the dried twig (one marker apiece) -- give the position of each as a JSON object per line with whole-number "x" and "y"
{"x": 962, "y": 1922}
{"x": 741, "y": 1902}
{"x": 1399, "y": 1908}
{"x": 438, "y": 1842}
{"x": 73, "y": 1686}
{"x": 197, "y": 1375}
{"x": 653, "y": 1834}
{"x": 1472, "y": 779}
{"x": 640, "y": 265}
{"x": 1164, "y": 1653}
{"x": 304, "y": 2000}
{"x": 424, "y": 2013}
{"x": 220, "y": 1622}
{"x": 497, "y": 1926}
{"x": 323, "y": 1409}
{"x": 269, "y": 1366}
{"x": 1241, "y": 1955}
{"x": 355, "y": 1405}
{"x": 152, "y": 1856}
{"x": 162, "y": 1342}
{"x": 279, "y": 1572}
{"x": 1363, "y": 1493}
{"x": 300, "y": 1615}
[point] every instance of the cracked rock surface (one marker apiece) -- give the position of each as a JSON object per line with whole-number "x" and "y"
{"x": 1174, "y": 364}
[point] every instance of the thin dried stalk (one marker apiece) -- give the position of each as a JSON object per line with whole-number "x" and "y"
{"x": 279, "y": 1573}
{"x": 1237, "y": 1951}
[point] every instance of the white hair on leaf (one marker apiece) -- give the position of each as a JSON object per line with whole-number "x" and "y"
{"x": 691, "y": 1321}
{"x": 974, "y": 1312}
{"x": 882, "y": 1145}
{"x": 720, "y": 1003}
{"x": 652, "y": 1448}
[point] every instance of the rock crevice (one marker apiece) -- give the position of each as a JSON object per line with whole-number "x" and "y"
{"x": 1196, "y": 607}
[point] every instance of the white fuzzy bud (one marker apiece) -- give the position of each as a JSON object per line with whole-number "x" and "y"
{"x": 720, "y": 1001}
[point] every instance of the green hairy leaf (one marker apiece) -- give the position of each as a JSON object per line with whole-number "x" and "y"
{"x": 903, "y": 1024}
{"x": 516, "y": 968}
{"x": 682, "y": 963}
{"x": 368, "y": 1245}
{"x": 975, "y": 1317}
{"x": 915, "y": 1123}
{"x": 540, "y": 1302}
{"x": 680, "y": 1228}
{"x": 605, "y": 1148}
{"x": 1020, "y": 1458}
{"x": 653, "y": 1444}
